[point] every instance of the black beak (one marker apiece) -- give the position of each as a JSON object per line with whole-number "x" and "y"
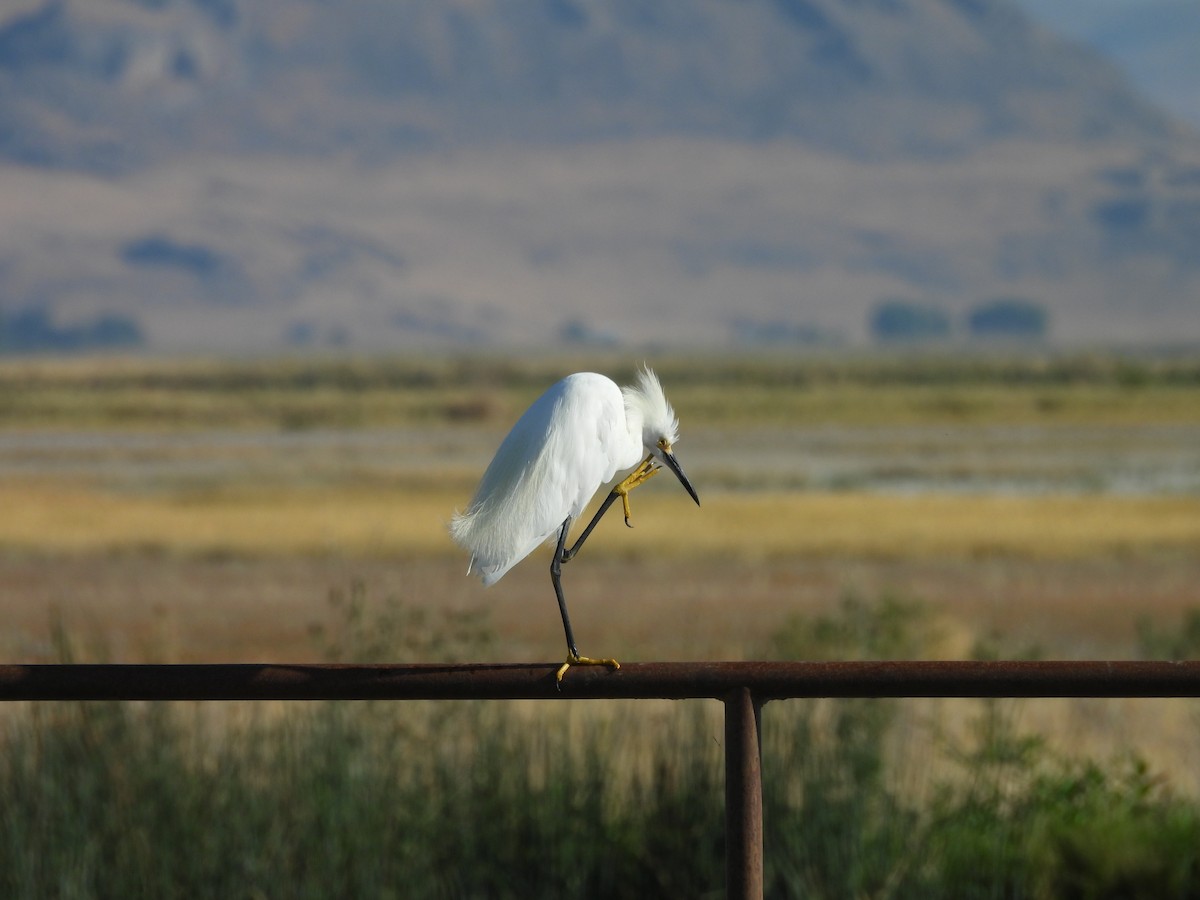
{"x": 673, "y": 465}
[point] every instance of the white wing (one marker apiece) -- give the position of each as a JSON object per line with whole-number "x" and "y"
{"x": 573, "y": 439}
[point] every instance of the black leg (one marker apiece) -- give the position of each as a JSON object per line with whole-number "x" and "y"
{"x": 568, "y": 555}
{"x": 562, "y": 555}
{"x": 556, "y": 577}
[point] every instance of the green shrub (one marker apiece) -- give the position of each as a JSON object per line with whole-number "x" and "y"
{"x": 476, "y": 799}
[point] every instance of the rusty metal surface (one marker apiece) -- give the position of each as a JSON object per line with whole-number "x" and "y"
{"x": 766, "y": 680}
{"x": 743, "y": 797}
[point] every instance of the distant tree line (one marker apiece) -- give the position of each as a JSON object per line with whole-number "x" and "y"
{"x": 1004, "y": 318}
{"x": 747, "y": 330}
{"x": 35, "y": 331}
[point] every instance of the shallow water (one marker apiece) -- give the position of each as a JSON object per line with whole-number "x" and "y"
{"x": 1025, "y": 459}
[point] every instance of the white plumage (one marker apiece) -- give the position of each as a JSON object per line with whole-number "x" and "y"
{"x": 574, "y": 438}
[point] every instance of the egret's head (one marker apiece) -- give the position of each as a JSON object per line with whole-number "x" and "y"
{"x": 660, "y": 429}
{"x": 646, "y": 402}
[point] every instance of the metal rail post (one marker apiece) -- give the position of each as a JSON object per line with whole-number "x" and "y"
{"x": 743, "y": 797}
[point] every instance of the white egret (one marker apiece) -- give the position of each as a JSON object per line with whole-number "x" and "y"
{"x": 573, "y": 439}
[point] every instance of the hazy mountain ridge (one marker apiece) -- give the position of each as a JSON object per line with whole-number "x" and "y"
{"x": 115, "y": 82}
{"x": 244, "y": 175}
{"x": 1154, "y": 41}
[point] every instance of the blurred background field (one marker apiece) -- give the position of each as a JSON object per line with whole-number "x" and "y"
{"x": 854, "y": 507}
{"x": 1067, "y": 488}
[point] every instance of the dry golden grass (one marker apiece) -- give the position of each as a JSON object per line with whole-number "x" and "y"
{"x": 246, "y": 576}
{"x": 146, "y": 607}
{"x": 928, "y": 525}
{"x": 150, "y": 567}
{"x": 61, "y": 518}
{"x": 371, "y": 521}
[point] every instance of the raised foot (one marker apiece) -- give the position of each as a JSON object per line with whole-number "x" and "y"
{"x": 641, "y": 474}
{"x": 574, "y": 659}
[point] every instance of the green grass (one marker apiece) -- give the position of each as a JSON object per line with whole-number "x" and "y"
{"x": 115, "y": 800}
{"x": 356, "y": 393}
{"x": 500, "y": 800}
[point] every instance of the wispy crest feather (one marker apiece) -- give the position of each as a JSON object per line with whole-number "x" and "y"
{"x": 646, "y": 399}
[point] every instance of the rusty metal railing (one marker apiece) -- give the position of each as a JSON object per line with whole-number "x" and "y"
{"x": 742, "y": 686}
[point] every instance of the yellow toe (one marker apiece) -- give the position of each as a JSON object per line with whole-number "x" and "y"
{"x": 573, "y": 660}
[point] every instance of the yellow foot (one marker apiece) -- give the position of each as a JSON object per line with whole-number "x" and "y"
{"x": 642, "y": 473}
{"x": 574, "y": 660}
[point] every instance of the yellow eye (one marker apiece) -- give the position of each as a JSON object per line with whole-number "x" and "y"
{"x": 664, "y": 444}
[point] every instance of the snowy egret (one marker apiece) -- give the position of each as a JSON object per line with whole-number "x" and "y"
{"x": 573, "y": 439}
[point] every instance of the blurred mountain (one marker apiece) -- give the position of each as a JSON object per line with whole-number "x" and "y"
{"x": 1154, "y": 41}
{"x": 251, "y": 174}
{"x": 107, "y": 84}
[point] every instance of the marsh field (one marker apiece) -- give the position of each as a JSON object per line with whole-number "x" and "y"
{"x": 295, "y": 510}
